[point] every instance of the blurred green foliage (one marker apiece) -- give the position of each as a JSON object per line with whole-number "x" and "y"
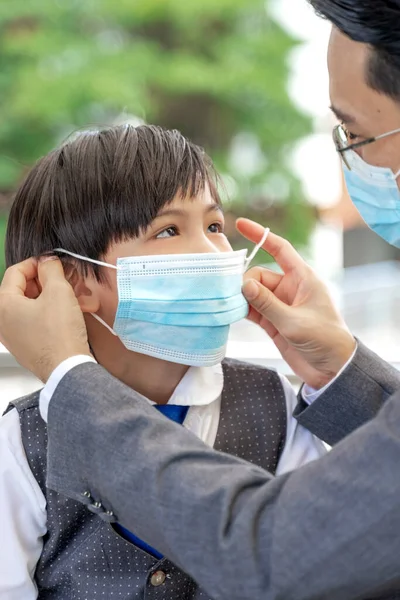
{"x": 214, "y": 69}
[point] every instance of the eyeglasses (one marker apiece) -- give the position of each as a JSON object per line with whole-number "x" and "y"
{"x": 341, "y": 140}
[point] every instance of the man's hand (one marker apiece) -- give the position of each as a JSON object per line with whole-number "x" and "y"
{"x": 41, "y": 322}
{"x": 296, "y": 311}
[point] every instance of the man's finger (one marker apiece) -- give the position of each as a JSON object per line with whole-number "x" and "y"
{"x": 279, "y": 248}
{"x": 50, "y": 270}
{"x": 266, "y": 303}
{"x": 32, "y": 289}
{"x": 270, "y": 279}
{"x": 17, "y": 277}
{"x": 253, "y": 315}
{"x": 250, "y": 229}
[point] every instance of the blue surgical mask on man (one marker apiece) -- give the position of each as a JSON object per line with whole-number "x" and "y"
{"x": 179, "y": 307}
{"x": 375, "y": 193}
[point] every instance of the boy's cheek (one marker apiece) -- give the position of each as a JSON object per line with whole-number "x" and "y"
{"x": 109, "y": 304}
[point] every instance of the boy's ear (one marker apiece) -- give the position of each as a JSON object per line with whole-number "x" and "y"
{"x": 84, "y": 288}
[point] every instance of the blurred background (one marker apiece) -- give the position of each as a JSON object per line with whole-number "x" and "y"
{"x": 247, "y": 80}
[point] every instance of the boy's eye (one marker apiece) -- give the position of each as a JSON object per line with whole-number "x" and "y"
{"x": 168, "y": 232}
{"x": 216, "y": 228}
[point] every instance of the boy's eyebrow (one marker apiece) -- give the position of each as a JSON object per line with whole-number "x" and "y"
{"x": 177, "y": 212}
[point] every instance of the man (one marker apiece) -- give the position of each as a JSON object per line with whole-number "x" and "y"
{"x": 329, "y": 530}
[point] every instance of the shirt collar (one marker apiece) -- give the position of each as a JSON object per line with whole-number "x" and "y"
{"x": 198, "y": 387}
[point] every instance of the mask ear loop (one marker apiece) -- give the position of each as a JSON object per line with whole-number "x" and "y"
{"x": 256, "y": 248}
{"x": 92, "y": 260}
{"x": 96, "y": 262}
{"x": 110, "y": 329}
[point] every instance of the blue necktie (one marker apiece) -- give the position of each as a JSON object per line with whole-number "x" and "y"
{"x": 177, "y": 414}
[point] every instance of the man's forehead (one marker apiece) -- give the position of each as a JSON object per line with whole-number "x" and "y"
{"x": 352, "y": 100}
{"x": 347, "y": 62}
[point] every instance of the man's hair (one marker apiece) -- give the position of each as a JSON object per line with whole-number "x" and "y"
{"x": 372, "y": 22}
{"x": 101, "y": 187}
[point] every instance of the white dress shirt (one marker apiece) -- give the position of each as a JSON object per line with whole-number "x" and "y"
{"x": 23, "y": 506}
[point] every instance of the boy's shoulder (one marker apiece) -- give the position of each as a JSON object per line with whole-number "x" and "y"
{"x": 238, "y": 373}
{"x": 254, "y": 413}
{"x": 30, "y": 401}
{"x": 240, "y": 365}
{"x": 33, "y": 435}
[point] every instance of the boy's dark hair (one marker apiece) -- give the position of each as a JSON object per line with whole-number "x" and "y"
{"x": 372, "y": 22}
{"x": 101, "y": 187}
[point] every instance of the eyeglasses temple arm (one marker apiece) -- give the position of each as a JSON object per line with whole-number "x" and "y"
{"x": 357, "y": 145}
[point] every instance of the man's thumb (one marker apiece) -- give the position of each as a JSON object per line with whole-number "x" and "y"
{"x": 265, "y": 302}
{"x": 50, "y": 270}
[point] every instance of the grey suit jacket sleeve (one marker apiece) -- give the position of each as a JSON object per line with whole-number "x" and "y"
{"x": 352, "y": 400}
{"x": 329, "y": 530}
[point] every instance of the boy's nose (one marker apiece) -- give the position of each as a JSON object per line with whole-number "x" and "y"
{"x": 203, "y": 246}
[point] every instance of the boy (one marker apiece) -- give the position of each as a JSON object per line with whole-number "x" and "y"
{"x": 135, "y": 216}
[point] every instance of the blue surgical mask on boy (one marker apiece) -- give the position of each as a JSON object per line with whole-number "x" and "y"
{"x": 375, "y": 193}
{"x": 179, "y": 307}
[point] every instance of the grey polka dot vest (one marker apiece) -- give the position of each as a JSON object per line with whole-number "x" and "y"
{"x": 83, "y": 557}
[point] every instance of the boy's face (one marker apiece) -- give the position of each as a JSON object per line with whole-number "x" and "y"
{"x": 185, "y": 226}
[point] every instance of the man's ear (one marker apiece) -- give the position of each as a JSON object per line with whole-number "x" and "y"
{"x": 85, "y": 289}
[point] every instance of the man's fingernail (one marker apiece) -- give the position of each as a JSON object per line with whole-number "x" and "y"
{"x": 46, "y": 257}
{"x": 251, "y": 289}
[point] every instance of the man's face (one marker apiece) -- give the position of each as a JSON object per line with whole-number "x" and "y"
{"x": 364, "y": 112}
